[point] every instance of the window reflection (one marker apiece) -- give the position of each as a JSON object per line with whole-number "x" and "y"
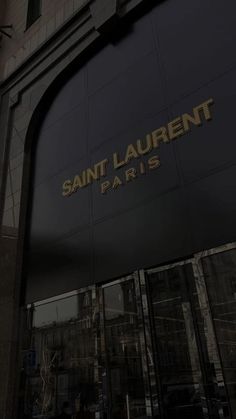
{"x": 177, "y": 354}
{"x": 65, "y": 309}
{"x": 59, "y": 358}
{"x": 220, "y": 275}
{"x": 115, "y": 351}
{"x": 124, "y": 355}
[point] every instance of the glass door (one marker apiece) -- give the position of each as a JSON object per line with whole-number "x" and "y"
{"x": 125, "y": 351}
{"x": 86, "y": 353}
{"x": 60, "y": 370}
{"x": 219, "y": 270}
{"x": 188, "y": 367}
{"x": 156, "y": 344}
{"x": 177, "y": 356}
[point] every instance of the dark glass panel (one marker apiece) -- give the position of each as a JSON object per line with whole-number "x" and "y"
{"x": 220, "y": 275}
{"x": 60, "y": 358}
{"x": 177, "y": 353}
{"x": 124, "y": 357}
{"x": 34, "y": 11}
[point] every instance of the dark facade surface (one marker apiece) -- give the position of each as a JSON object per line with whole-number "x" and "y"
{"x": 120, "y": 296}
{"x": 167, "y": 64}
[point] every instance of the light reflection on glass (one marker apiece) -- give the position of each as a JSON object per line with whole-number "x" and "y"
{"x": 57, "y": 311}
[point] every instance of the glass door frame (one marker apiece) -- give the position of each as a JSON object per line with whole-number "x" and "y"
{"x": 200, "y": 276}
{"x": 138, "y": 277}
{"x": 152, "y": 387}
{"x": 209, "y": 329}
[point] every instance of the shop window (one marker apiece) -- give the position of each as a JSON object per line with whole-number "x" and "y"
{"x": 220, "y": 274}
{"x": 33, "y": 12}
{"x": 175, "y": 331}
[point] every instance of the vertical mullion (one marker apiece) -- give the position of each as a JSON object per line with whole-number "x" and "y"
{"x": 193, "y": 334}
{"x": 216, "y": 378}
{"x": 152, "y": 403}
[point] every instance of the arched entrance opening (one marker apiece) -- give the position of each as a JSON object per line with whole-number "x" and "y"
{"x": 120, "y": 317}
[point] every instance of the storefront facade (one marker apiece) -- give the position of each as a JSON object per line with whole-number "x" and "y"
{"x": 159, "y": 343}
{"x": 125, "y": 275}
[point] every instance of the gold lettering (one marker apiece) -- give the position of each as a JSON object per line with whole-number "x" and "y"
{"x": 130, "y": 174}
{"x": 131, "y": 153}
{"x": 67, "y": 187}
{"x": 187, "y": 119}
{"x": 142, "y": 168}
{"x": 116, "y": 182}
{"x": 78, "y": 182}
{"x": 103, "y": 167}
{"x": 175, "y": 128}
{"x": 92, "y": 174}
{"x": 116, "y": 162}
{"x": 148, "y": 146}
{"x": 154, "y": 162}
{"x": 158, "y": 136}
{"x": 205, "y": 107}
{"x": 104, "y": 186}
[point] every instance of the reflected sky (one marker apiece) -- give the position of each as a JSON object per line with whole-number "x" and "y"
{"x": 114, "y": 301}
{"x": 61, "y": 310}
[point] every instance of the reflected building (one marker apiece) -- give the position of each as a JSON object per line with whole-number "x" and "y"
{"x": 145, "y": 345}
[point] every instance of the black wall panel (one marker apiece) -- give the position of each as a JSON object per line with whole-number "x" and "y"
{"x": 174, "y": 58}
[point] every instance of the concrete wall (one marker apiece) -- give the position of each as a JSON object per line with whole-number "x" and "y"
{"x": 24, "y": 42}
